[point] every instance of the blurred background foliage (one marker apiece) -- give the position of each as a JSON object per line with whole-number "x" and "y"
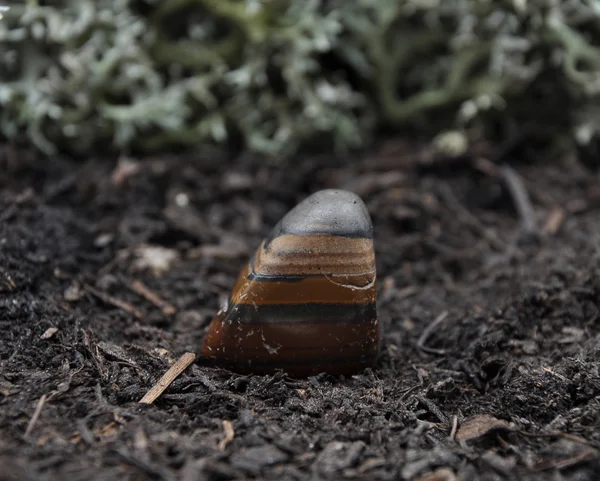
{"x": 278, "y": 75}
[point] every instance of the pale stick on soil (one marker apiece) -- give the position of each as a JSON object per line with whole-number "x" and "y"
{"x": 36, "y": 415}
{"x": 164, "y": 382}
{"x": 454, "y": 427}
{"x": 229, "y": 435}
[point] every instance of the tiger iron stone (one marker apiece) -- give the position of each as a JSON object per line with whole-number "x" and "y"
{"x": 306, "y": 301}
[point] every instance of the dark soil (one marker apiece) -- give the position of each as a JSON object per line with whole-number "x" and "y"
{"x": 490, "y": 366}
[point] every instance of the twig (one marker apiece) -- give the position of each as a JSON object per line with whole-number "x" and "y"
{"x": 229, "y": 435}
{"x": 454, "y": 427}
{"x": 36, "y": 415}
{"x": 415, "y": 387}
{"x": 146, "y": 293}
{"x": 433, "y": 408}
{"x": 570, "y": 437}
{"x": 550, "y": 371}
{"x": 487, "y": 167}
{"x": 164, "y": 382}
{"x": 8, "y": 282}
{"x": 521, "y": 198}
{"x": 406, "y": 292}
{"x": 115, "y": 302}
{"x": 427, "y": 332}
{"x": 585, "y": 455}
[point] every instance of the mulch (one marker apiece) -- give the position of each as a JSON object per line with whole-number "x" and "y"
{"x": 488, "y": 291}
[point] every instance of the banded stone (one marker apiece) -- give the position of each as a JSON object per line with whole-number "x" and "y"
{"x": 306, "y": 301}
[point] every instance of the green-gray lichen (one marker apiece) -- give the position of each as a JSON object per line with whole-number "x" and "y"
{"x": 150, "y": 75}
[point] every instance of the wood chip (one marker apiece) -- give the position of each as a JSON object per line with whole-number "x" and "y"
{"x": 7, "y": 281}
{"x": 554, "y": 221}
{"x": 7, "y": 388}
{"x": 229, "y": 435}
{"x": 73, "y": 293}
{"x": 486, "y": 166}
{"x": 479, "y": 426}
{"x": 369, "y": 464}
{"x": 441, "y": 474}
{"x": 125, "y": 169}
{"x": 49, "y": 333}
{"x": 164, "y": 382}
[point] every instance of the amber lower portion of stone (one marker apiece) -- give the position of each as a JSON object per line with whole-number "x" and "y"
{"x": 300, "y": 339}
{"x": 300, "y": 322}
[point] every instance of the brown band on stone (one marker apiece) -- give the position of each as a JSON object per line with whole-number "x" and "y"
{"x": 354, "y": 289}
{"x": 317, "y": 254}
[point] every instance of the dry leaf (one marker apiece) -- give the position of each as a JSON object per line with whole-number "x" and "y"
{"x": 49, "y": 333}
{"x": 480, "y": 425}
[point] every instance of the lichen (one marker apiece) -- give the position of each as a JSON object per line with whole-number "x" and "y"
{"x": 148, "y": 75}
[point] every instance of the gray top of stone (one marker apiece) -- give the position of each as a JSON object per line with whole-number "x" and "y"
{"x": 331, "y": 211}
